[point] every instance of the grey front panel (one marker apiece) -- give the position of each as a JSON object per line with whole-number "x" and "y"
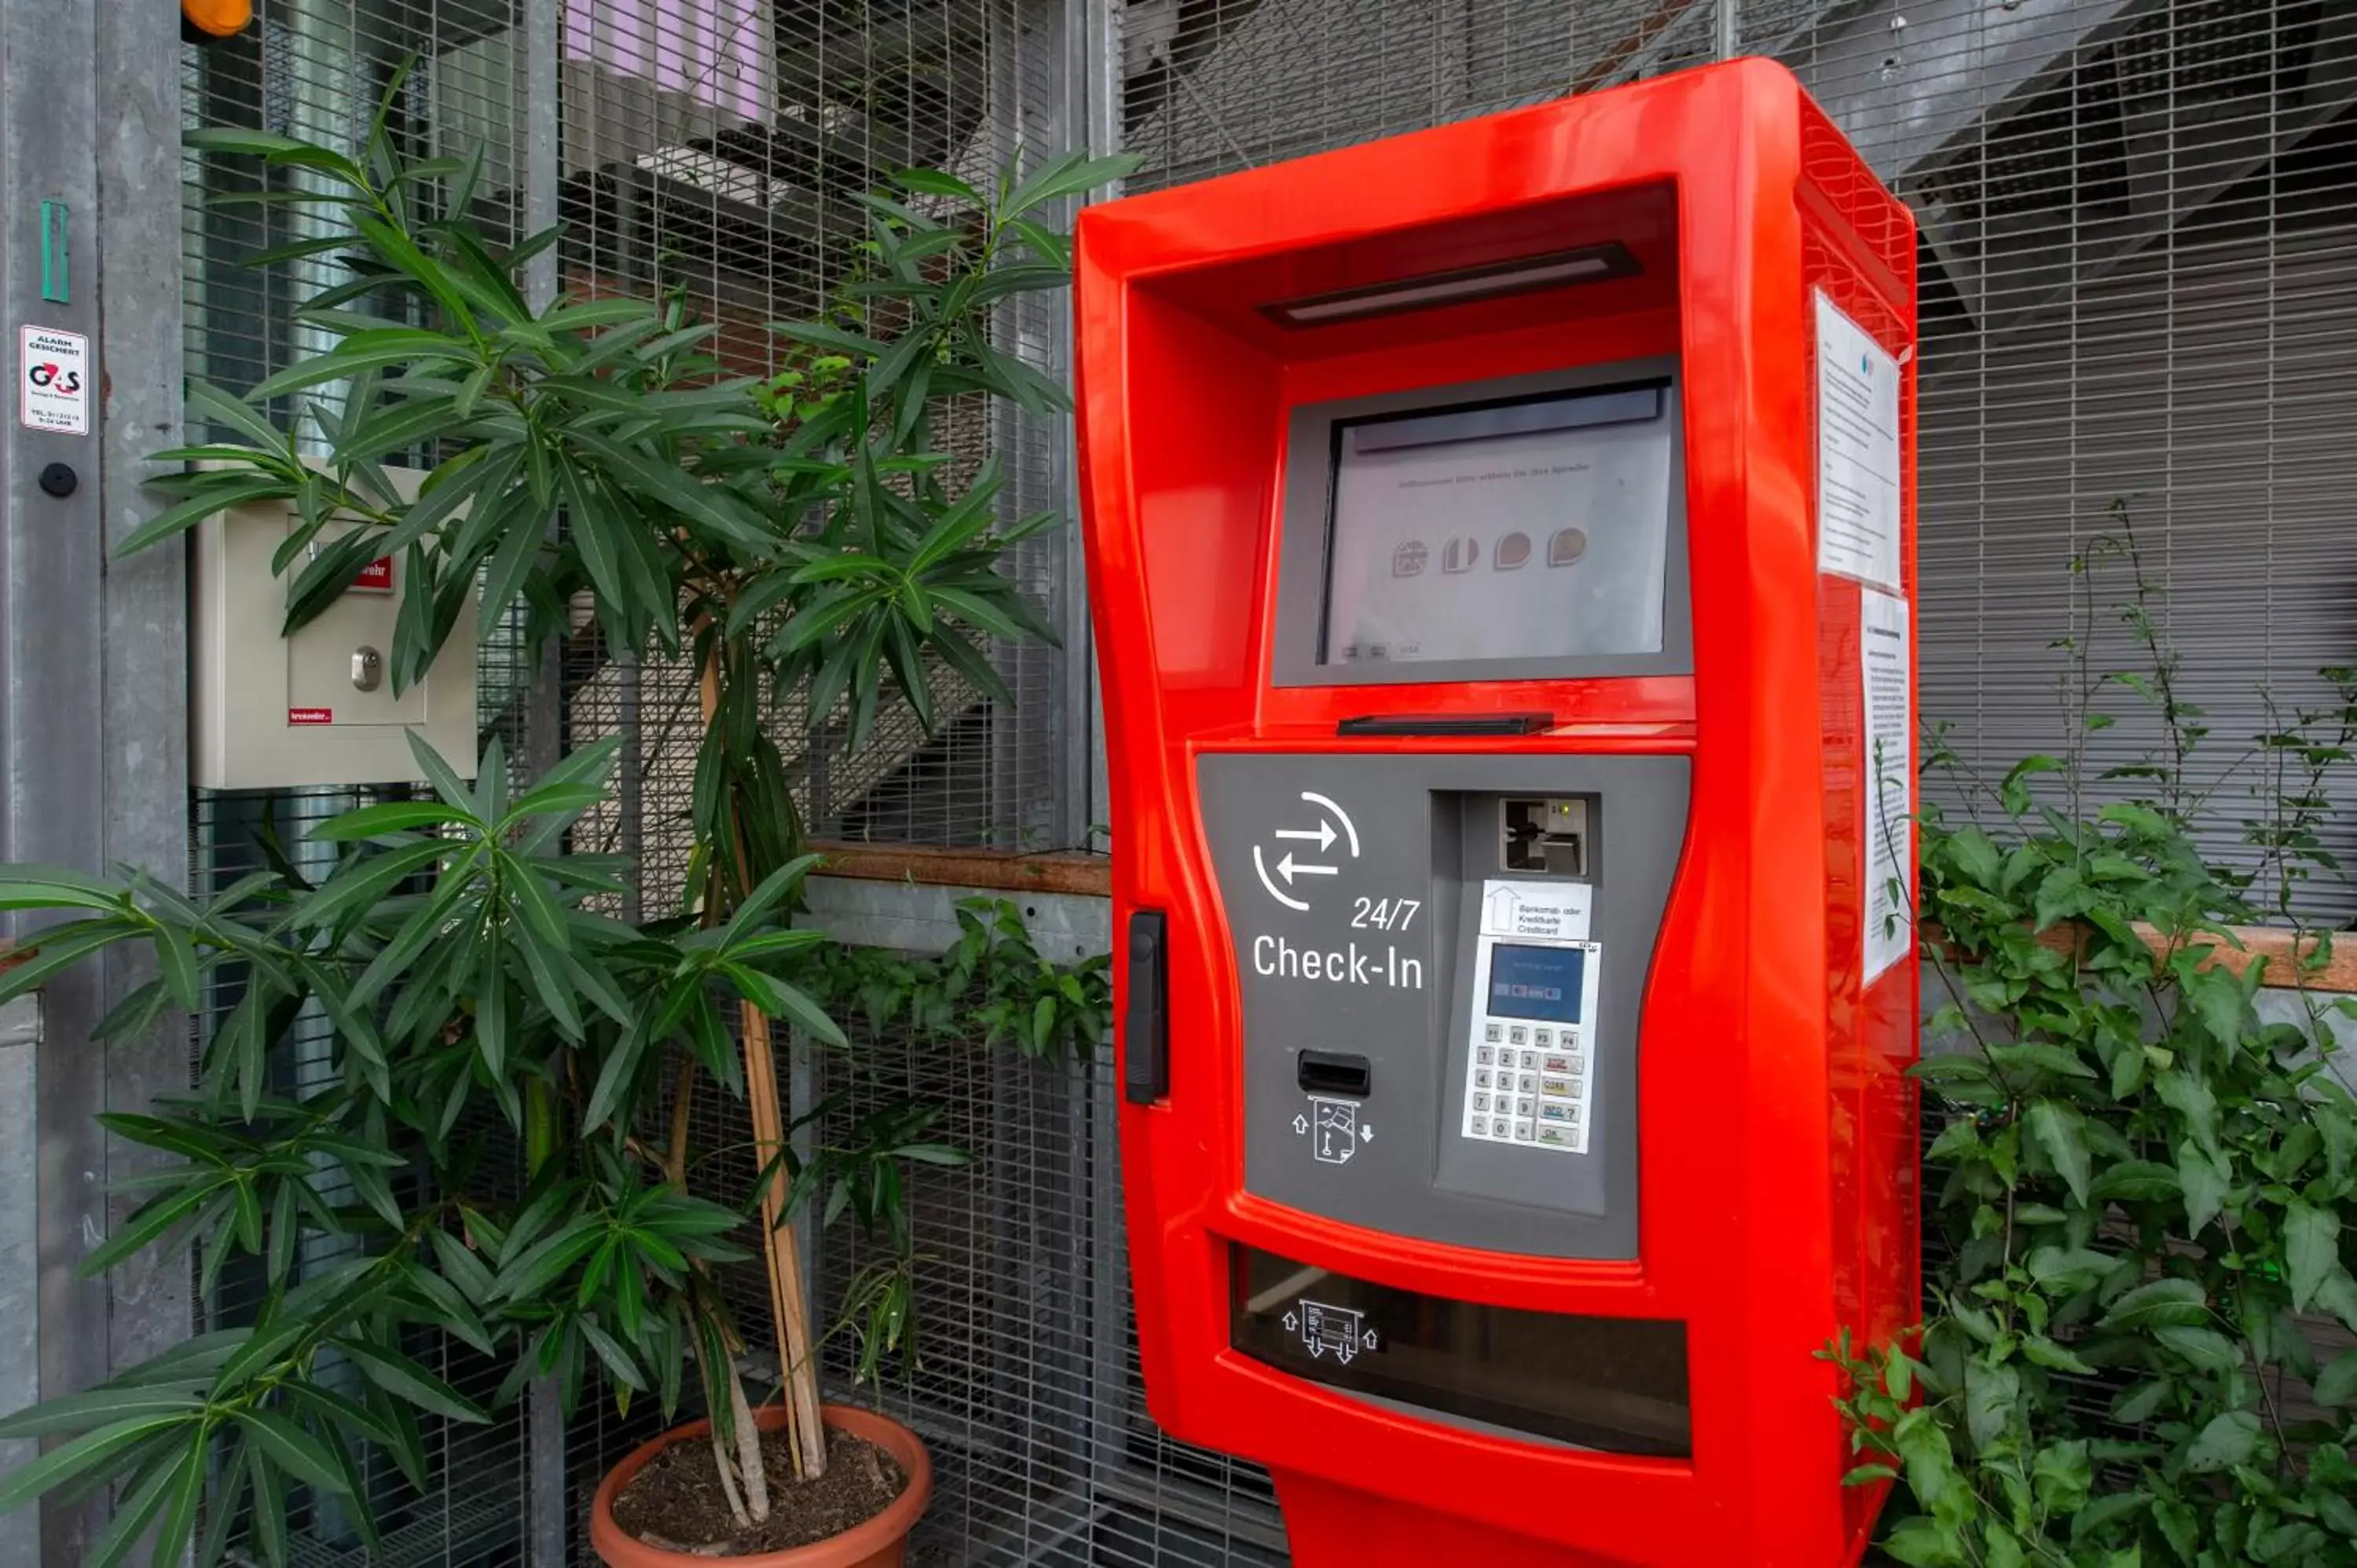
{"x": 1353, "y": 884}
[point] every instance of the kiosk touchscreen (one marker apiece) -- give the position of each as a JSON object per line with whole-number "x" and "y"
{"x": 1501, "y": 551}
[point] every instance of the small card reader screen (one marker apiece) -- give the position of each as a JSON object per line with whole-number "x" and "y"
{"x": 1536, "y": 982}
{"x": 1530, "y": 529}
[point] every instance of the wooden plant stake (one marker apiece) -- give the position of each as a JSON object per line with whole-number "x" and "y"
{"x": 780, "y": 1257}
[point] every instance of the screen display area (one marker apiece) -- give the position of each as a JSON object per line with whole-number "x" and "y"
{"x": 1533, "y": 530}
{"x": 1543, "y": 983}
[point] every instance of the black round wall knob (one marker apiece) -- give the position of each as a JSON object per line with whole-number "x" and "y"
{"x": 59, "y": 479}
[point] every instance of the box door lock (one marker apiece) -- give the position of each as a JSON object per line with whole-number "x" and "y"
{"x": 368, "y": 668}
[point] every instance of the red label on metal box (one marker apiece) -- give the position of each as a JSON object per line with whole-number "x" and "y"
{"x": 310, "y": 716}
{"x": 376, "y": 578}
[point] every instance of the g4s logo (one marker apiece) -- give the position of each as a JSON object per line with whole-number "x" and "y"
{"x": 46, "y": 376}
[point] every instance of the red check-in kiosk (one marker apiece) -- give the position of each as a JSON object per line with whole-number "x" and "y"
{"x": 1502, "y": 548}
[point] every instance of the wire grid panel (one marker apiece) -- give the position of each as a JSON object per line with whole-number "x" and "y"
{"x": 319, "y": 68}
{"x": 2139, "y": 265}
{"x": 2137, "y": 274}
{"x": 473, "y": 1507}
{"x": 715, "y": 148}
{"x": 2137, "y": 270}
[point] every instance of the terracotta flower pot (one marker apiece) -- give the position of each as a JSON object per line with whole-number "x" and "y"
{"x": 879, "y": 1543}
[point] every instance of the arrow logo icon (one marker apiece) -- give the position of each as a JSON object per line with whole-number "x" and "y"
{"x": 1323, "y": 837}
{"x": 1290, "y": 868}
{"x": 1334, "y": 826}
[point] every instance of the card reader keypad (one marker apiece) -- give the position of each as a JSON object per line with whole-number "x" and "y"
{"x": 1534, "y": 1094}
{"x": 1530, "y": 1080}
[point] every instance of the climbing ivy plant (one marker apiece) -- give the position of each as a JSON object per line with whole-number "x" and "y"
{"x": 2143, "y": 1182}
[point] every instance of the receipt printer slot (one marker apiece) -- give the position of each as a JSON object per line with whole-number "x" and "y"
{"x": 1331, "y": 1072}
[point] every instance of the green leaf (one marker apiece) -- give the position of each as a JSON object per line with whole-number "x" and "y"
{"x": 1923, "y": 1544}
{"x": 1991, "y": 1394}
{"x": 935, "y": 182}
{"x": 1924, "y": 1450}
{"x": 220, "y": 493}
{"x": 2205, "y": 1347}
{"x": 83, "y": 1454}
{"x": 392, "y": 817}
{"x": 405, "y": 1380}
{"x": 293, "y": 1450}
{"x": 617, "y": 1360}
{"x": 345, "y": 362}
{"x": 2204, "y": 1178}
{"x": 2229, "y": 1440}
{"x": 98, "y": 1407}
{"x": 1976, "y": 856}
{"x": 139, "y": 1502}
{"x": 2040, "y": 1057}
{"x": 541, "y": 1266}
{"x": 2311, "y": 1248}
{"x": 148, "y": 1224}
{"x": 2162, "y": 1302}
{"x": 2044, "y": 1352}
{"x": 2216, "y": 998}
{"x": 833, "y": 339}
{"x": 2336, "y": 1384}
{"x": 2104, "y": 1512}
{"x": 2192, "y": 1098}
{"x": 1069, "y": 174}
{"x": 2061, "y": 1131}
{"x": 240, "y": 142}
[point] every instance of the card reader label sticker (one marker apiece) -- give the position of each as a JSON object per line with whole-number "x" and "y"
{"x": 1551, "y": 911}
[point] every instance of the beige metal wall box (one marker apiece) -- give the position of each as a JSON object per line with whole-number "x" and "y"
{"x": 318, "y": 707}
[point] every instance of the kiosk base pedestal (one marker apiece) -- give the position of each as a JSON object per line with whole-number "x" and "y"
{"x": 1335, "y": 1527}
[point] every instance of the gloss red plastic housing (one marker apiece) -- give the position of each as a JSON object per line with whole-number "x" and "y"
{"x": 1777, "y": 1137}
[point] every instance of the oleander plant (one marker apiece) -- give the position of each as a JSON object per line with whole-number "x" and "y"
{"x": 443, "y": 1098}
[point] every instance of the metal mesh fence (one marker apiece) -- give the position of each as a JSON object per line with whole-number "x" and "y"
{"x": 715, "y": 148}
{"x": 317, "y": 68}
{"x": 2137, "y": 267}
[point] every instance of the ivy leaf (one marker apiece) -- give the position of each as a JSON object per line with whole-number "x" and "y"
{"x": 2311, "y": 1248}
{"x": 2192, "y": 1098}
{"x": 2217, "y": 999}
{"x": 2338, "y": 1295}
{"x": 2337, "y": 1383}
{"x": 2205, "y": 1347}
{"x": 1924, "y": 1544}
{"x": 2229, "y": 1440}
{"x": 1991, "y": 1392}
{"x": 2162, "y": 1302}
{"x": 1976, "y": 856}
{"x": 2042, "y": 1056}
{"x": 1924, "y": 1445}
{"x": 2139, "y": 1403}
{"x": 2044, "y": 1352}
{"x": 2061, "y": 1131}
{"x": 2202, "y": 1176}
{"x": 2106, "y": 1512}
{"x": 2061, "y": 894}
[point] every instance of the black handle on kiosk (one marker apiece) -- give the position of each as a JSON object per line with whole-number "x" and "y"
{"x": 1146, "y": 1066}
